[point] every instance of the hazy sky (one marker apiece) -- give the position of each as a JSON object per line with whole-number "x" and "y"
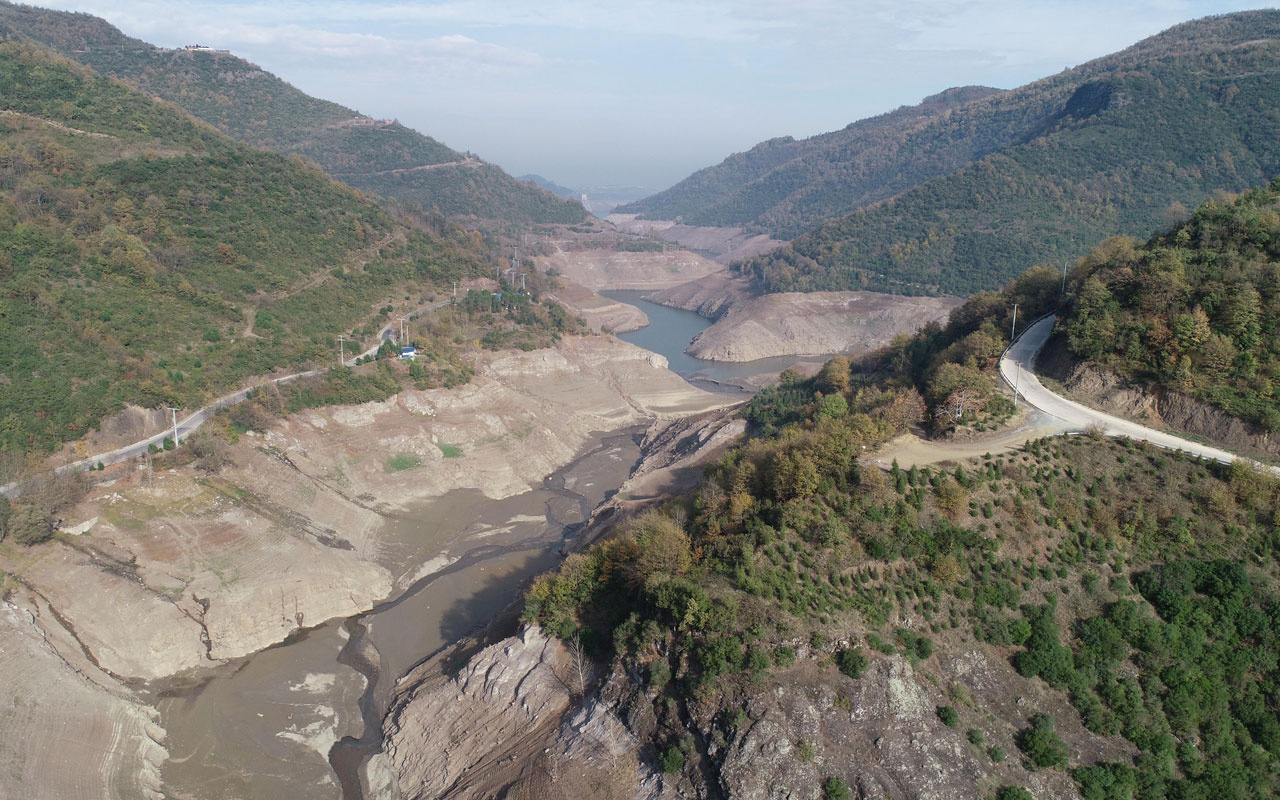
{"x": 591, "y": 93}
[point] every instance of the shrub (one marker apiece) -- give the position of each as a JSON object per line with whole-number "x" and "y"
{"x": 659, "y": 672}
{"x": 403, "y": 461}
{"x": 784, "y": 656}
{"x": 804, "y": 749}
{"x": 1013, "y": 793}
{"x": 948, "y": 716}
{"x": 29, "y": 524}
{"x": 671, "y": 760}
{"x": 835, "y": 789}
{"x": 1042, "y": 745}
{"x": 851, "y": 661}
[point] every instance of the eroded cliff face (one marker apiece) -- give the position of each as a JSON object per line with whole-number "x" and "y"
{"x": 175, "y": 571}
{"x": 70, "y": 732}
{"x": 1104, "y": 390}
{"x": 776, "y": 738}
{"x": 748, "y": 327}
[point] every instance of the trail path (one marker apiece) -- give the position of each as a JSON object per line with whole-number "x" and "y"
{"x": 189, "y": 424}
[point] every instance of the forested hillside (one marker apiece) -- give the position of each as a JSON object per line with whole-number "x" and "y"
{"x": 256, "y": 107}
{"x": 1130, "y": 596}
{"x": 147, "y": 259}
{"x": 1196, "y": 309}
{"x": 1131, "y": 141}
{"x": 785, "y": 186}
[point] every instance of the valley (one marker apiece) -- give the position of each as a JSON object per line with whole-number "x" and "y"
{"x": 930, "y": 457}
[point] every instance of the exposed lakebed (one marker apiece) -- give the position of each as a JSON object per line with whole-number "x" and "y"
{"x": 264, "y": 726}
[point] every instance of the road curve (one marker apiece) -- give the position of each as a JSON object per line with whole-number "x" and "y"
{"x": 189, "y": 424}
{"x": 1017, "y": 367}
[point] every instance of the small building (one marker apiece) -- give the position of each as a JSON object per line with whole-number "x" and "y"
{"x": 408, "y": 352}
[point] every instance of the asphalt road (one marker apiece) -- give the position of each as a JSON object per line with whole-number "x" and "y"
{"x": 1017, "y": 367}
{"x": 189, "y": 424}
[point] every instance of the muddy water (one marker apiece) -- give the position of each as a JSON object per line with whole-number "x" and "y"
{"x": 670, "y": 331}
{"x": 266, "y": 726}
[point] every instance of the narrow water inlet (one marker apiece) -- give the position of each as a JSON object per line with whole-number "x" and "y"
{"x": 670, "y": 332}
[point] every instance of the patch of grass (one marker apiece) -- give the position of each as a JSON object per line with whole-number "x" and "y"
{"x": 402, "y": 461}
{"x": 449, "y": 450}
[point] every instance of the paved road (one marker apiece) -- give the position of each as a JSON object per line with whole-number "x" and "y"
{"x": 1017, "y": 368}
{"x": 189, "y": 424}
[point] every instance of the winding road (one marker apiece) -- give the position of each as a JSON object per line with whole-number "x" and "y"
{"x": 1050, "y": 415}
{"x": 193, "y": 421}
{"x": 1017, "y": 367}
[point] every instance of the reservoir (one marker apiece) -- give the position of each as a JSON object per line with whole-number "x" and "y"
{"x": 670, "y": 331}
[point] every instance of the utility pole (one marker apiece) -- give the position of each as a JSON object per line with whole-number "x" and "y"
{"x": 342, "y": 358}
{"x": 1013, "y": 328}
{"x": 522, "y": 276}
{"x": 402, "y": 330}
{"x": 455, "y": 292}
{"x": 175, "y": 425}
{"x": 1017, "y": 381}
{"x": 1063, "y": 292}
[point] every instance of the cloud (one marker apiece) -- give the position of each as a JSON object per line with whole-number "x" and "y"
{"x": 268, "y": 32}
{"x": 1015, "y": 32}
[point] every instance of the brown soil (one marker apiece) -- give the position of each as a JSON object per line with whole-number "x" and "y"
{"x": 721, "y": 244}
{"x": 611, "y": 269}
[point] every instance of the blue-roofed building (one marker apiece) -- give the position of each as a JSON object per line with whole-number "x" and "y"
{"x": 408, "y": 352}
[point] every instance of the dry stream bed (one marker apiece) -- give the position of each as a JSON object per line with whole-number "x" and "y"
{"x": 265, "y": 725}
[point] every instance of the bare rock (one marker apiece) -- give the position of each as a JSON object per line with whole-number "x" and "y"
{"x": 492, "y": 710}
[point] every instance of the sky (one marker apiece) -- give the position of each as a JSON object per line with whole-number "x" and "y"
{"x": 591, "y": 93}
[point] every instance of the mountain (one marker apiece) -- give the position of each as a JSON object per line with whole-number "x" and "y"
{"x": 1080, "y": 617}
{"x": 1194, "y": 311}
{"x": 552, "y": 186}
{"x": 1121, "y": 145}
{"x": 785, "y": 186}
{"x": 255, "y": 107}
{"x": 145, "y": 258}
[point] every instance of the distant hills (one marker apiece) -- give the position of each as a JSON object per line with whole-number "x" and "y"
{"x": 551, "y": 186}
{"x": 146, "y": 258}
{"x": 255, "y": 107}
{"x": 964, "y": 197}
{"x": 785, "y": 186}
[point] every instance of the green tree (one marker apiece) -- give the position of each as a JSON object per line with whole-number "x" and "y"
{"x": 1042, "y": 744}
{"x": 29, "y": 524}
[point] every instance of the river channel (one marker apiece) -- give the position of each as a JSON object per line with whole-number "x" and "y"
{"x": 265, "y": 726}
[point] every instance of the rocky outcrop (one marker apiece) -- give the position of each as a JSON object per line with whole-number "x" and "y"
{"x": 749, "y": 327}
{"x": 601, "y": 314}
{"x": 1160, "y": 408}
{"x": 880, "y": 733}
{"x": 816, "y": 323}
{"x": 499, "y": 709}
{"x": 712, "y": 296}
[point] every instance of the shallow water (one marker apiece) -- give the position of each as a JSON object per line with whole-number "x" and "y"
{"x": 265, "y": 726}
{"x": 670, "y": 331}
